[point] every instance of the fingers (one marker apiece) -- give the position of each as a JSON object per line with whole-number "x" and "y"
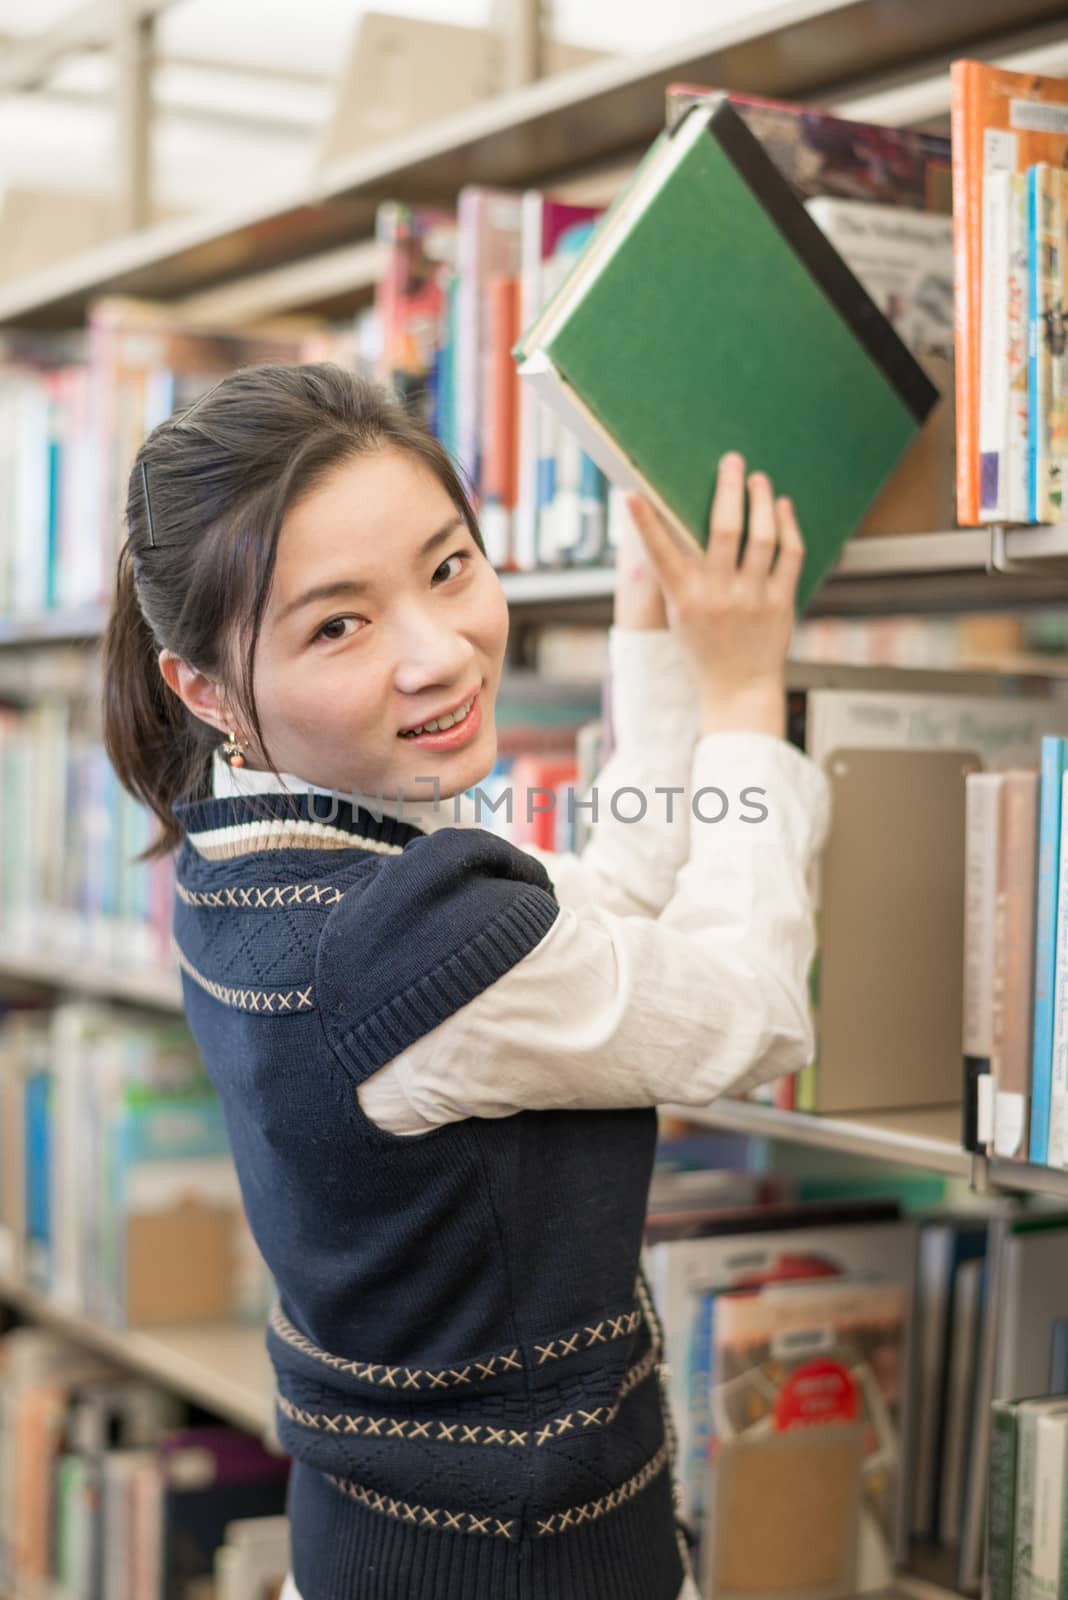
{"x": 782, "y": 583}
{"x": 760, "y": 545}
{"x": 669, "y": 562}
{"x": 727, "y": 516}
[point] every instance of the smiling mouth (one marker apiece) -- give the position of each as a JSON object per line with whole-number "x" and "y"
{"x": 443, "y": 723}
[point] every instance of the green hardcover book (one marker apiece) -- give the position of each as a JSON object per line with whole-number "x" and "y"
{"x": 1001, "y": 1500}
{"x": 710, "y": 313}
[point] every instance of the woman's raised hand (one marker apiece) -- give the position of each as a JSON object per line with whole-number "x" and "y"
{"x": 735, "y": 618}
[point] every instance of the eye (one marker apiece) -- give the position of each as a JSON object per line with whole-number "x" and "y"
{"x": 457, "y": 555}
{"x": 332, "y": 638}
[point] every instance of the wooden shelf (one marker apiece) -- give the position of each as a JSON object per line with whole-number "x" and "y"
{"x": 222, "y": 1366}
{"x": 160, "y": 990}
{"x": 915, "y": 572}
{"x": 801, "y": 49}
{"x": 928, "y": 1139}
{"x": 925, "y": 1138}
{"x": 905, "y": 573}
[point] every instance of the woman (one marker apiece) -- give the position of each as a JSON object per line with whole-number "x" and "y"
{"x": 439, "y": 1054}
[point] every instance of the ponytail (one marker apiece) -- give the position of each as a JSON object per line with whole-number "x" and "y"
{"x": 150, "y": 738}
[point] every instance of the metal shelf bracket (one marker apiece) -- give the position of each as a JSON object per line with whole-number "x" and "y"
{"x": 998, "y": 559}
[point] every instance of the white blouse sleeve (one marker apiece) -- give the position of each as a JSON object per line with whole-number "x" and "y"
{"x": 639, "y": 832}
{"x": 709, "y": 998}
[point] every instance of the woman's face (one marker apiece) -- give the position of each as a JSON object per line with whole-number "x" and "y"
{"x": 416, "y": 625}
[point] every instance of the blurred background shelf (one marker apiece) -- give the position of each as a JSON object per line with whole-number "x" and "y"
{"x": 834, "y": 53}
{"x": 221, "y": 1366}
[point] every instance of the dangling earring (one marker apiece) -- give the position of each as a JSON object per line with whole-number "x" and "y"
{"x": 232, "y": 749}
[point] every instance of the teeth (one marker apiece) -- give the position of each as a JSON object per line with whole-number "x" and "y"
{"x": 441, "y": 723}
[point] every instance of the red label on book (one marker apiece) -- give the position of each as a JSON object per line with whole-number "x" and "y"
{"x": 820, "y": 1391}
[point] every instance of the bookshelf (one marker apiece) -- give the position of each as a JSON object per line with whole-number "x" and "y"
{"x": 222, "y": 1366}
{"x": 966, "y": 569}
{"x": 822, "y": 50}
{"x": 311, "y": 249}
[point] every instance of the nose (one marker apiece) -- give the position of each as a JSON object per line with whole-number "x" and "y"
{"x": 430, "y": 651}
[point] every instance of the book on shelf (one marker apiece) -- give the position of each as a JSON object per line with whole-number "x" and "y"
{"x": 111, "y": 1488}
{"x": 904, "y": 259}
{"x": 745, "y": 330}
{"x": 1001, "y": 841}
{"x": 927, "y": 838}
{"x": 806, "y": 1395}
{"x": 1047, "y": 445}
{"x": 1002, "y": 121}
{"x": 125, "y": 1207}
{"x": 761, "y": 1243}
{"x": 821, "y": 154}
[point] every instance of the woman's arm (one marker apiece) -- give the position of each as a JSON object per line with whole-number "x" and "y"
{"x": 630, "y": 860}
{"x": 639, "y": 832}
{"x": 607, "y": 1011}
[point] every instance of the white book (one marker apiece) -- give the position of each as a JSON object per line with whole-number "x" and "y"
{"x": 1051, "y": 1442}
{"x": 982, "y": 815}
{"x": 1027, "y": 1420}
{"x": 994, "y": 349}
{"x": 1019, "y": 396}
{"x": 903, "y": 258}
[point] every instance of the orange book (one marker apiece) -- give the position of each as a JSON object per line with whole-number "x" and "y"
{"x": 1000, "y": 120}
{"x": 501, "y": 394}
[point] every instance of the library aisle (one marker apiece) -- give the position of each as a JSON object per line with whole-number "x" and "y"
{"x": 736, "y": 1200}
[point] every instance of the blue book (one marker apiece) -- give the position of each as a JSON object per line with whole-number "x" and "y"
{"x": 1054, "y": 762}
{"x": 37, "y": 1115}
{"x": 700, "y": 1385}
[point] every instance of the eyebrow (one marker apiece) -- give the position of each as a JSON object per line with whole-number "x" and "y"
{"x": 324, "y": 591}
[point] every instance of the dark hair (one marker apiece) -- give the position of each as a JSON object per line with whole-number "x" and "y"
{"x": 221, "y": 475}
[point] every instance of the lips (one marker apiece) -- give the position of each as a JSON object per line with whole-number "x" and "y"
{"x": 445, "y": 711}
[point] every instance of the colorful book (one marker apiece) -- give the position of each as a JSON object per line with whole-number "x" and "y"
{"x": 546, "y": 224}
{"x": 1014, "y": 925}
{"x": 1000, "y": 120}
{"x": 802, "y": 1358}
{"x": 1019, "y": 398}
{"x": 1047, "y": 253}
{"x": 1054, "y": 764}
{"x": 982, "y": 821}
{"x": 995, "y": 338}
{"x": 710, "y": 263}
{"x": 1057, "y": 1147}
{"x": 821, "y": 154}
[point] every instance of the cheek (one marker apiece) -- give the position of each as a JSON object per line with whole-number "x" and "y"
{"x": 494, "y": 612}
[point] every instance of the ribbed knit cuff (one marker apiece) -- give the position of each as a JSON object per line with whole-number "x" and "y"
{"x": 503, "y": 941}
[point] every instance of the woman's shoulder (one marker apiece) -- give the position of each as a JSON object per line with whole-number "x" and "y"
{"x": 427, "y": 930}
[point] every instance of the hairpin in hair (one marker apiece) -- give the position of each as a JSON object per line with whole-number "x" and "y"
{"x": 148, "y": 510}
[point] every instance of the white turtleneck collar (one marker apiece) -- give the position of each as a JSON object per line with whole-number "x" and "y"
{"x": 454, "y": 812}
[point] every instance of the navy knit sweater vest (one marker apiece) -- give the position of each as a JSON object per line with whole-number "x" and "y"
{"x": 467, "y": 1356}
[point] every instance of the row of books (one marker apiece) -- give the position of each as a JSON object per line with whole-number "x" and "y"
{"x": 895, "y": 762}
{"x": 1010, "y": 145}
{"x": 991, "y": 1319}
{"x": 893, "y": 863}
{"x": 839, "y": 1357}
{"x": 111, "y": 1489}
{"x": 457, "y": 287}
{"x": 118, "y": 1195}
{"x": 1028, "y": 1530}
{"x": 69, "y": 883}
{"x": 1016, "y": 958}
{"x": 1023, "y": 406}
{"x": 786, "y": 1327}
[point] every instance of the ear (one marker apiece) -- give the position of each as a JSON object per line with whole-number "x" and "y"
{"x": 201, "y": 694}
